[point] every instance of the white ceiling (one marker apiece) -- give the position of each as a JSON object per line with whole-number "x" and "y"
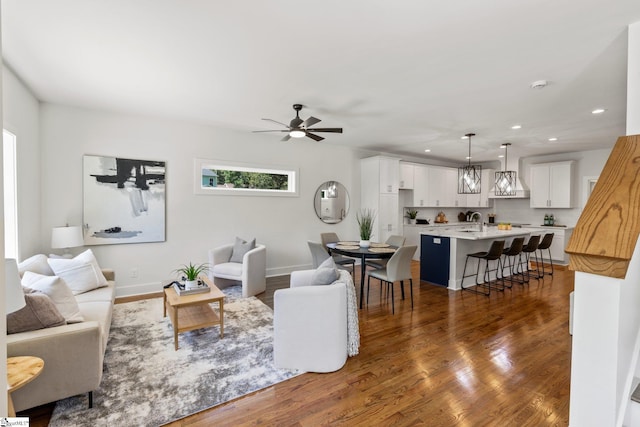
{"x": 399, "y": 77}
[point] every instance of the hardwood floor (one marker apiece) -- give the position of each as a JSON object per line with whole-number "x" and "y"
{"x": 456, "y": 359}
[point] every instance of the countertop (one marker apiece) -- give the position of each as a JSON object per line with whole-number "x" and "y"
{"x": 491, "y": 233}
{"x": 447, "y": 224}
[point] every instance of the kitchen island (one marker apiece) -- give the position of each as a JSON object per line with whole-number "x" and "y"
{"x": 443, "y": 252}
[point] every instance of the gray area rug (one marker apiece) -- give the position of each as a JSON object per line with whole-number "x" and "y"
{"x": 147, "y": 383}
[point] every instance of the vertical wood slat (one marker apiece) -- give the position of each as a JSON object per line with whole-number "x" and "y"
{"x": 606, "y": 233}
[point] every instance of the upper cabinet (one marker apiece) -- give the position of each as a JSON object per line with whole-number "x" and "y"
{"x": 406, "y": 176}
{"x": 379, "y": 191}
{"x": 437, "y": 187}
{"x": 389, "y": 173}
{"x": 551, "y": 185}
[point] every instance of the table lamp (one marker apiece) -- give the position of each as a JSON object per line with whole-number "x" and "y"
{"x": 14, "y": 296}
{"x": 66, "y": 237}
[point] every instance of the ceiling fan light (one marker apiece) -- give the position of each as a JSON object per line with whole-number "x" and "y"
{"x": 297, "y": 133}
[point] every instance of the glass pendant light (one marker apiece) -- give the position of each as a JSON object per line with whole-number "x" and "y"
{"x": 505, "y": 180}
{"x": 469, "y": 175}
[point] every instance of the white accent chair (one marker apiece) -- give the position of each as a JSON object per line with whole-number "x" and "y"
{"x": 310, "y": 324}
{"x": 252, "y": 272}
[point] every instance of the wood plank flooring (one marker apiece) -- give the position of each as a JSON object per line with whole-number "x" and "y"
{"x": 457, "y": 359}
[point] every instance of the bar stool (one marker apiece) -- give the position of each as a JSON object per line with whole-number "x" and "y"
{"x": 510, "y": 255}
{"x": 494, "y": 254}
{"x": 530, "y": 248}
{"x": 546, "y": 244}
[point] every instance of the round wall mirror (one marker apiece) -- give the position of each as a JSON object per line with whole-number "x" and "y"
{"x": 331, "y": 202}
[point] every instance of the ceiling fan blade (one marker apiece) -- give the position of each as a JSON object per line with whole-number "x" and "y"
{"x": 315, "y": 137}
{"x": 334, "y": 130}
{"x": 275, "y": 130}
{"x": 311, "y": 121}
{"x": 286, "y": 138}
{"x": 295, "y": 123}
{"x": 275, "y": 121}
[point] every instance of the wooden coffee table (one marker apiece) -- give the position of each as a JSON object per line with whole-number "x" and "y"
{"x": 189, "y": 312}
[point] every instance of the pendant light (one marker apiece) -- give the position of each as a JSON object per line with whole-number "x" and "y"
{"x": 505, "y": 180}
{"x": 469, "y": 175}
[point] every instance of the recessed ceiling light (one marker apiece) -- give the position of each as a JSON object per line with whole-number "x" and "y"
{"x": 427, "y": 150}
{"x": 501, "y": 156}
{"x": 468, "y": 157}
{"x": 598, "y": 111}
{"x": 553, "y": 139}
{"x": 516, "y": 127}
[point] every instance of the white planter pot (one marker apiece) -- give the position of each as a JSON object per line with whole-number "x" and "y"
{"x": 190, "y": 284}
{"x": 365, "y": 243}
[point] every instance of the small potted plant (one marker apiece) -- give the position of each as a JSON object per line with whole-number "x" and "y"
{"x": 190, "y": 273}
{"x": 412, "y": 214}
{"x": 365, "y": 222}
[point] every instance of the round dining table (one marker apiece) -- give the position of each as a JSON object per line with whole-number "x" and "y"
{"x": 353, "y": 250}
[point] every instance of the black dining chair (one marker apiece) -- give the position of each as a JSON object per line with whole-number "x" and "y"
{"x": 546, "y": 242}
{"x": 530, "y": 248}
{"x": 493, "y": 254}
{"x": 510, "y": 257}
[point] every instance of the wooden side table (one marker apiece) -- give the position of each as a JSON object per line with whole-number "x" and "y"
{"x": 189, "y": 312}
{"x": 21, "y": 371}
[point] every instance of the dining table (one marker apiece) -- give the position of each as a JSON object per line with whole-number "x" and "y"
{"x": 354, "y": 250}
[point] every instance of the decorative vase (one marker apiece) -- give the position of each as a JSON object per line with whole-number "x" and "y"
{"x": 190, "y": 284}
{"x": 365, "y": 243}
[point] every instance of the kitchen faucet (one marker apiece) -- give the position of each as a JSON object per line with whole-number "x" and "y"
{"x": 479, "y": 219}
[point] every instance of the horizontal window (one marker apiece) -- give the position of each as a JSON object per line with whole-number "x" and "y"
{"x": 228, "y": 178}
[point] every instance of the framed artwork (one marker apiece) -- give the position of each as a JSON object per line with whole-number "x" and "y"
{"x": 123, "y": 200}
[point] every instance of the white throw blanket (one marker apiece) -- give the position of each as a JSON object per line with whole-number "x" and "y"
{"x": 353, "y": 327}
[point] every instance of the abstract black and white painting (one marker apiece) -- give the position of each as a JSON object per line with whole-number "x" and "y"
{"x": 124, "y": 200}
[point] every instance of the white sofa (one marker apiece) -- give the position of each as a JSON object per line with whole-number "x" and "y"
{"x": 73, "y": 354}
{"x": 310, "y": 324}
{"x": 252, "y": 272}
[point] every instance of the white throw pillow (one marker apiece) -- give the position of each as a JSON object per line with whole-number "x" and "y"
{"x": 80, "y": 276}
{"x": 325, "y": 274}
{"x": 85, "y": 257}
{"x": 59, "y": 292}
{"x": 37, "y": 264}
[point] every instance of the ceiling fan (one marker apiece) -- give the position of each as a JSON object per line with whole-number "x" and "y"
{"x": 299, "y": 128}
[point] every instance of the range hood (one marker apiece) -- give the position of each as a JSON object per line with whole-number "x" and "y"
{"x": 522, "y": 191}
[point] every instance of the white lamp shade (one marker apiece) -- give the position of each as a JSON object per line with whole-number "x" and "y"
{"x": 14, "y": 296}
{"x": 66, "y": 237}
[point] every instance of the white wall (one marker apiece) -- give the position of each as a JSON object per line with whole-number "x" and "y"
{"x": 21, "y": 117}
{"x": 195, "y": 223}
{"x": 633, "y": 80}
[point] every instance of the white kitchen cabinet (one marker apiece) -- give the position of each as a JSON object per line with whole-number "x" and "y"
{"x": 442, "y": 187}
{"x": 551, "y": 185}
{"x": 420, "y": 186}
{"x": 406, "y": 176}
{"x": 377, "y": 185}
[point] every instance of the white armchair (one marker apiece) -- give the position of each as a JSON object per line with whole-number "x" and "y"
{"x": 310, "y": 324}
{"x": 252, "y": 272}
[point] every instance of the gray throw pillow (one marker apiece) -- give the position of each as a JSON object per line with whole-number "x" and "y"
{"x": 325, "y": 274}
{"x": 39, "y": 313}
{"x": 240, "y": 248}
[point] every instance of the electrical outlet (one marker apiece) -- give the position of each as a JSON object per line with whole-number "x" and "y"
{"x": 134, "y": 272}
